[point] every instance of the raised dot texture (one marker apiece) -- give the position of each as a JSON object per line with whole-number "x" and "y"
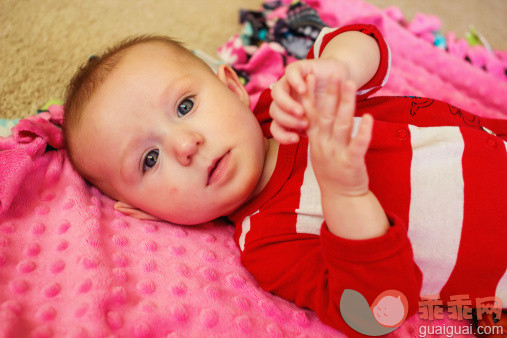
{"x": 42, "y": 210}
{"x": 120, "y": 274}
{"x": 208, "y": 318}
{"x": 64, "y": 227}
{"x": 208, "y": 255}
{"x": 114, "y": 320}
{"x": 85, "y": 286}
{"x": 120, "y": 224}
{"x": 183, "y": 269}
{"x": 241, "y": 302}
{"x": 274, "y": 331}
{"x": 96, "y": 202}
{"x": 148, "y": 306}
{"x": 52, "y": 290}
{"x": 32, "y": 250}
{"x": 178, "y": 250}
{"x": 26, "y": 266}
{"x": 47, "y": 196}
{"x": 120, "y": 240}
{"x": 236, "y": 280}
{"x": 93, "y": 224}
{"x": 150, "y": 228}
{"x": 141, "y": 330}
{"x": 119, "y": 295}
{"x": 180, "y": 313}
{"x": 119, "y": 259}
{"x": 4, "y": 241}
{"x": 90, "y": 262}
{"x": 93, "y": 240}
{"x": 212, "y": 292}
{"x": 38, "y": 229}
{"x": 13, "y": 306}
{"x": 46, "y": 313}
{"x": 150, "y": 246}
{"x": 94, "y": 211}
{"x": 209, "y": 274}
{"x": 180, "y": 232}
{"x": 244, "y": 323}
{"x": 209, "y": 238}
{"x": 179, "y": 290}
{"x": 18, "y": 286}
{"x": 68, "y": 204}
{"x": 301, "y": 318}
{"x": 81, "y": 310}
{"x": 41, "y": 331}
{"x": 147, "y": 287}
{"x": 7, "y": 227}
{"x": 62, "y": 245}
{"x": 57, "y": 266}
{"x": 149, "y": 265}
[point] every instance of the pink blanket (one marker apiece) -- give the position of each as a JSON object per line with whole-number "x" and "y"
{"x": 71, "y": 266}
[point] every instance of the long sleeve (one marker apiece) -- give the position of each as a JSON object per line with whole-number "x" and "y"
{"x": 382, "y": 74}
{"x": 313, "y": 271}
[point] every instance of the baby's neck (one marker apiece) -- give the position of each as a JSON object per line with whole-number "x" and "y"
{"x": 271, "y": 153}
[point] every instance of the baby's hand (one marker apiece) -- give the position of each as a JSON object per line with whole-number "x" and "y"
{"x": 289, "y": 118}
{"x": 337, "y": 158}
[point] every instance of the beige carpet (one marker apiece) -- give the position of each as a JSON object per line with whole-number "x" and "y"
{"x": 43, "y": 41}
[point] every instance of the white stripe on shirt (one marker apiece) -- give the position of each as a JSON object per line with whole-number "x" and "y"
{"x": 436, "y": 202}
{"x": 245, "y": 228}
{"x": 309, "y": 213}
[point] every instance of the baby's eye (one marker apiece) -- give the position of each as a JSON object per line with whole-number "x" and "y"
{"x": 150, "y": 160}
{"x": 185, "y": 106}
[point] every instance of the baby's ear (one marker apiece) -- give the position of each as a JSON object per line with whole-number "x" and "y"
{"x": 228, "y": 76}
{"x": 132, "y": 211}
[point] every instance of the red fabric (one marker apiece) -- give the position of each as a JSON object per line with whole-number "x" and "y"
{"x": 313, "y": 268}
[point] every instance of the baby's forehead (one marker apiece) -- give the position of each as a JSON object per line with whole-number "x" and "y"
{"x": 160, "y": 50}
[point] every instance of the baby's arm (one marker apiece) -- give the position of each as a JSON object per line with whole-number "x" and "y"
{"x": 350, "y": 208}
{"x": 351, "y": 55}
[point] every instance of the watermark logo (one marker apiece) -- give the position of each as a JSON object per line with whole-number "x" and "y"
{"x": 387, "y": 312}
{"x": 459, "y": 307}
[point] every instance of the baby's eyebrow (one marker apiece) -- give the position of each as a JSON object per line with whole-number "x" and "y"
{"x": 167, "y": 94}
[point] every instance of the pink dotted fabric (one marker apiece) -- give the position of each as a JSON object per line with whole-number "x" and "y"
{"x": 71, "y": 266}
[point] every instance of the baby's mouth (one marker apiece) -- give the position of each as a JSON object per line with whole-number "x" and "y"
{"x": 213, "y": 167}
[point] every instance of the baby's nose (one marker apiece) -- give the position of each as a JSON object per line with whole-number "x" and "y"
{"x": 187, "y": 146}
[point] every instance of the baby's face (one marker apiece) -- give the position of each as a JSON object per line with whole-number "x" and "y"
{"x": 170, "y": 138}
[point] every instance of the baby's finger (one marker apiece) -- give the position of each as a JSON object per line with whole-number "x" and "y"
{"x": 326, "y": 102}
{"x": 308, "y": 102}
{"x": 359, "y": 144}
{"x": 282, "y": 97}
{"x": 286, "y": 119}
{"x": 344, "y": 120}
{"x": 297, "y": 81}
{"x": 282, "y": 135}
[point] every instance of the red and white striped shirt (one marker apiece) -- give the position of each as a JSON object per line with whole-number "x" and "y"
{"x": 440, "y": 175}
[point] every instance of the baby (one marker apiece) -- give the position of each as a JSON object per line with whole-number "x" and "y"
{"x": 322, "y": 200}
